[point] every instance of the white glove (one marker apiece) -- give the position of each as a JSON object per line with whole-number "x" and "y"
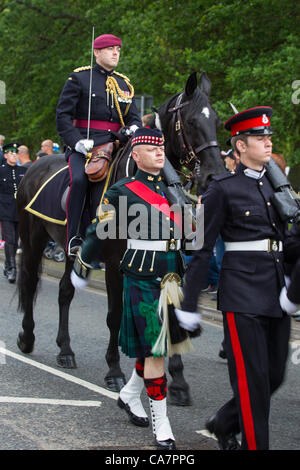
{"x": 190, "y": 321}
{"x": 131, "y": 130}
{"x": 285, "y": 303}
{"x": 84, "y": 146}
{"x": 77, "y": 281}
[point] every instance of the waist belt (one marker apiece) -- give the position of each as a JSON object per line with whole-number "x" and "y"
{"x": 256, "y": 245}
{"x": 99, "y": 125}
{"x": 156, "y": 245}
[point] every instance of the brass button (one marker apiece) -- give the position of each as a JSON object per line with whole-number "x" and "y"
{"x": 261, "y": 183}
{"x": 247, "y": 213}
{"x": 268, "y": 203}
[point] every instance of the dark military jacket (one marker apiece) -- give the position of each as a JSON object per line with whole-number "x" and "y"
{"x": 292, "y": 257}
{"x": 240, "y": 209}
{"x": 10, "y": 177}
{"x": 127, "y": 215}
{"x": 73, "y": 105}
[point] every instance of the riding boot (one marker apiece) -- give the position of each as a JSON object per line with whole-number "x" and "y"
{"x": 12, "y": 271}
{"x": 161, "y": 427}
{"x": 130, "y": 400}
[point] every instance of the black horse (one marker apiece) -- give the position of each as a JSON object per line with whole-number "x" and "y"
{"x": 189, "y": 124}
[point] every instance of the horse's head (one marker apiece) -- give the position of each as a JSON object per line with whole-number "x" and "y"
{"x": 190, "y": 126}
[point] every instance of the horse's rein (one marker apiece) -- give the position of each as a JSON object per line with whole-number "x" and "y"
{"x": 190, "y": 154}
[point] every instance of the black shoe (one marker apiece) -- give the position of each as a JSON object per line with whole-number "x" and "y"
{"x": 136, "y": 420}
{"x": 225, "y": 441}
{"x": 11, "y": 275}
{"x": 222, "y": 354}
{"x": 169, "y": 444}
{"x": 74, "y": 245}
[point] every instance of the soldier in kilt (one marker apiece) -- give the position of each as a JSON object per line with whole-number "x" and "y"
{"x": 153, "y": 269}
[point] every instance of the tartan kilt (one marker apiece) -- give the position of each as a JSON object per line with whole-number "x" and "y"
{"x": 140, "y": 325}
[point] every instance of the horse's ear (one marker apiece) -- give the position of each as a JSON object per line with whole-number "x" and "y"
{"x": 205, "y": 83}
{"x": 191, "y": 84}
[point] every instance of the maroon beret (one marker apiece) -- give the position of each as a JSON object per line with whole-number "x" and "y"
{"x": 106, "y": 40}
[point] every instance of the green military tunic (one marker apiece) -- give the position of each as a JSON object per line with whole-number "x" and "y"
{"x": 137, "y": 208}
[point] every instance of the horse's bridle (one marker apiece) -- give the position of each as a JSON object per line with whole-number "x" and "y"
{"x": 190, "y": 154}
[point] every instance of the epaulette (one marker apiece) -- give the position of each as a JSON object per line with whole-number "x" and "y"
{"x": 80, "y": 69}
{"x": 122, "y": 76}
{"x": 224, "y": 176}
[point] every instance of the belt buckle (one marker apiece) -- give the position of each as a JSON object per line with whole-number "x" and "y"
{"x": 273, "y": 245}
{"x": 171, "y": 245}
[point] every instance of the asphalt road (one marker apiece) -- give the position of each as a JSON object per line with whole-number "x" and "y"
{"x": 43, "y": 407}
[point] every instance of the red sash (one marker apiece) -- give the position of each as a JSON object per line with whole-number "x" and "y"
{"x": 145, "y": 193}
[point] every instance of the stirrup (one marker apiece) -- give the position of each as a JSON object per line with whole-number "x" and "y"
{"x": 74, "y": 245}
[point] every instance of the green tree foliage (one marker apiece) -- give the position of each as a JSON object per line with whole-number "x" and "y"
{"x": 250, "y": 50}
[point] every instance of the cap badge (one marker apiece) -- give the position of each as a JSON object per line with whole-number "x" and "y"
{"x": 265, "y": 119}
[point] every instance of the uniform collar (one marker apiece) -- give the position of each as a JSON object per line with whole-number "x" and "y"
{"x": 102, "y": 70}
{"x": 241, "y": 168}
{"x": 147, "y": 177}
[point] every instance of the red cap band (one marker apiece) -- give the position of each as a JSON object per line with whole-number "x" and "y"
{"x": 261, "y": 121}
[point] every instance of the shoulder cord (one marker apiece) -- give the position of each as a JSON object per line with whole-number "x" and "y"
{"x": 112, "y": 87}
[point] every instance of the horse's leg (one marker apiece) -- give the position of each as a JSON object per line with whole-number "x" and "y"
{"x": 28, "y": 278}
{"x": 66, "y": 357}
{"x": 115, "y": 379}
{"x": 178, "y": 390}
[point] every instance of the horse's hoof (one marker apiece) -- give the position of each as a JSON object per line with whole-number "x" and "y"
{"x": 66, "y": 361}
{"x": 179, "y": 397}
{"x": 115, "y": 384}
{"x": 26, "y": 348}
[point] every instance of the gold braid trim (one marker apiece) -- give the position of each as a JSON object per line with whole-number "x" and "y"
{"x": 112, "y": 87}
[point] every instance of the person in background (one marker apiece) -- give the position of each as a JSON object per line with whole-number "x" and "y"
{"x": 24, "y": 156}
{"x": 47, "y": 147}
{"x": 10, "y": 177}
{"x": 2, "y": 139}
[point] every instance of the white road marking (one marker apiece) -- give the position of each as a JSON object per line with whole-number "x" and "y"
{"x": 49, "y": 401}
{"x": 58, "y": 373}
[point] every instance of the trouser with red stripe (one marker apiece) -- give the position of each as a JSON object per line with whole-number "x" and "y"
{"x": 257, "y": 349}
{"x": 79, "y": 186}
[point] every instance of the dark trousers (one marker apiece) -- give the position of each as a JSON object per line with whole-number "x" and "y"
{"x": 80, "y": 189}
{"x": 257, "y": 350}
{"x": 10, "y": 234}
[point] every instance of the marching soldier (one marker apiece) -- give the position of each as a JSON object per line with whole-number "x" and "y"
{"x": 153, "y": 270}
{"x": 112, "y": 107}
{"x": 238, "y": 206}
{"x": 10, "y": 177}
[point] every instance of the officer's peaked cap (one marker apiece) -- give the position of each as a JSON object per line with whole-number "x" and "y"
{"x": 253, "y": 121}
{"x": 106, "y": 40}
{"x": 12, "y": 147}
{"x": 147, "y": 136}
